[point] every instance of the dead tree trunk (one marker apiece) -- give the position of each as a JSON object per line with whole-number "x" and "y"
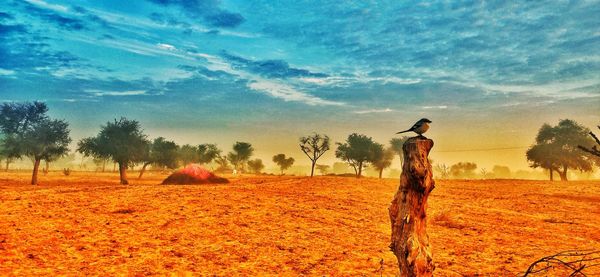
{"x": 410, "y": 242}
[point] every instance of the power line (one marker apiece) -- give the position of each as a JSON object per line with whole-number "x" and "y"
{"x": 483, "y": 149}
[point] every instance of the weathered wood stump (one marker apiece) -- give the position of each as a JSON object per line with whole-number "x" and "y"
{"x": 410, "y": 242}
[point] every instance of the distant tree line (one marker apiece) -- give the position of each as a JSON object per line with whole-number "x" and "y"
{"x": 27, "y": 131}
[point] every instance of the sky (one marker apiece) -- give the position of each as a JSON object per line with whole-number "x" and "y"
{"x": 487, "y": 73}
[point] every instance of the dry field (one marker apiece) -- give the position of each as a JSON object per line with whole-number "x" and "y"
{"x": 88, "y": 224}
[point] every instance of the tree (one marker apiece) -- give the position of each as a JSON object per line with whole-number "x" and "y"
{"x": 463, "y": 170}
{"x": 283, "y": 162}
{"x": 48, "y": 140}
{"x": 160, "y": 152}
{"x": 443, "y": 170}
{"x": 322, "y": 168}
{"x": 188, "y": 154}
{"x": 223, "y": 164}
{"x": 484, "y": 173}
{"x": 500, "y": 171}
{"x": 28, "y": 131}
{"x": 122, "y": 140}
{"x": 396, "y": 145}
{"x": 556, "y": 149}
{"x": 9, "y": 151}
{"x": 207, "y": 153}
{"x": 88, "y": 147}
{"x": 382, "y": 159}
{"x": 357, "y": 151}
{"x": 256, "y": 166}
{"x": 242, "y": 151}
{"x": 314, "y": 146}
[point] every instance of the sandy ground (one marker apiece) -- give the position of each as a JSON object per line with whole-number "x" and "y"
{"x": 88, "y": 224}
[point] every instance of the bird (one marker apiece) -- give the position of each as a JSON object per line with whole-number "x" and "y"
{"x": 420, "y": 127}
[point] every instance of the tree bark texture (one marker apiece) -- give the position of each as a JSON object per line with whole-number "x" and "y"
{"x": 143, "y": 170}
{"x": 123, "y": 173}
{"x": 410, "y": 242}
{"x": 36, "y": 168}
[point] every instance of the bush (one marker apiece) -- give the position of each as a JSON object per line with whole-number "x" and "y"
{"x": 66, "y": 171}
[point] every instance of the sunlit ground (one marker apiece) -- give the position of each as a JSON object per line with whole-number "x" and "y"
{"x": 87, "y": 223}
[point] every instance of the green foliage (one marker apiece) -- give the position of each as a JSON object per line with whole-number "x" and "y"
{"x": 463, "y": 170}
{"x": 188, "y": 154}
{"x": 222, "y": 164}
{"x": 357, "y": 151}
{"x": 256, "y": 166}
{"x": 163, "y": 153}
{"x": 396, "y": 146}
{"x": 16, "y": 118}
{"x": 207, "y": 153}
{"x": 122, "y": 140}
{"x": 382, "y": 158}
{"x": 47, "y": 140}
{"x": 556, "y": 148}
{"x": 283, "y": 162}
{"x": 314, "y": 146}
{"x": 242, "y": 151}
{"x": 27, "y": 130}
{"x": 323, "y": 168}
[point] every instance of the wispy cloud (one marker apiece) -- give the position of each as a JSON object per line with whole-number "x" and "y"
{"x": 165, "y": 46}
{"x": 288, "y": 93}
{"x": 347, "y": 81}
{"x": 46, "y": 5}
{"x": 273, "y": 88}
{"x": 441, "y": 107}
{"x": 559, "y": 90}
{"x": 386, "y": 110}
{"x": 6, "y": 72}
{"x": 97, "y": 92}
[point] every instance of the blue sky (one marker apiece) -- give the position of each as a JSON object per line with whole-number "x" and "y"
{"x": 487, "y": 73}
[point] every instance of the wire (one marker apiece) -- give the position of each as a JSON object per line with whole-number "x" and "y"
{"x": 483, "y": 149}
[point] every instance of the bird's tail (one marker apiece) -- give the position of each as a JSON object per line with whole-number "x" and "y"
{"x": 404, "y": 131}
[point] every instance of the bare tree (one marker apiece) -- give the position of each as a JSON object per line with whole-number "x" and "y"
{"x": 484, "y": 173}
{"x": 443, "y": 170}
{"x": 576, "y": 262}
{"x": 594, "y": 150}
{"x": 314, "y": 147}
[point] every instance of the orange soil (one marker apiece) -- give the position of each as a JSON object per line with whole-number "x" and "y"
{"x": 87, "y": 223}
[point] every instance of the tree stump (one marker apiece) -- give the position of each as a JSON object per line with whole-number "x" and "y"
{"x": 410, "y": 242}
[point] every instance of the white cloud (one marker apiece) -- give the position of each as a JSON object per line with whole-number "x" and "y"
{"x": 386, "y": 110}
{"x": 288, "y": 93}
{"x": 563, "y": 90}
{"x": 272, "y": 88}
{"x": 98, "y": 92}
{"x": 135, "y": 46}
{"x": 44, "y": 4}
{"x": 442, "y": 107}
{"x": 6, "y": 71}
{"x": 348, "y": 81}
{"x": 165, "y": 46}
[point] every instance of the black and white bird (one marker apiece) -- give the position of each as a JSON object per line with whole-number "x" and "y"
{"x": 420, "y": 127}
